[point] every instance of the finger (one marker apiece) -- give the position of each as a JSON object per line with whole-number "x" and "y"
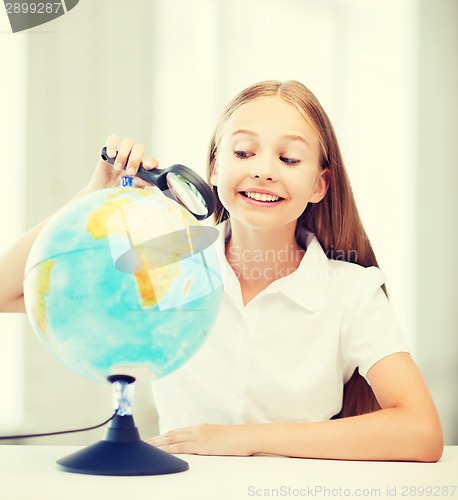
{"x": 178, "y": 448}
{"x": 162, "y": 440}
{"x": 135, "y": 159}
{"x": 112, "y": 145}
{"x": 150, "y": 163}
{"x": 171, "y": 437}
{"x": 123, "y": 153}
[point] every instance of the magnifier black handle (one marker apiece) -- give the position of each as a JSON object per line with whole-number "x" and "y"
{"x": 154, "y": 176}
{"x": 158, "y": 177}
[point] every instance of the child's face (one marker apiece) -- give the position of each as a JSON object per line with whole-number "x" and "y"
{"x": 267, "y": 166}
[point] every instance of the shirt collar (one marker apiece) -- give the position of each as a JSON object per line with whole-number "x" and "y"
{"x": 306, "y": 286}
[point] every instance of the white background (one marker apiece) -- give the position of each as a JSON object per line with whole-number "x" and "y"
{"x": 161, "y": 73}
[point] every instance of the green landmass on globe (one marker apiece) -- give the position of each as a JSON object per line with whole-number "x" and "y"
{"x": 123, "y": 281}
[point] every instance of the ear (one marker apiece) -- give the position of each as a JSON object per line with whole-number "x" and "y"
{"x": 321, "y": 186}
{"x": 214, "y": 175}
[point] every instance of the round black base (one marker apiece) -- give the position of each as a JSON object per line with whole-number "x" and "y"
{"x": 122, "y": 459}
{"x": 122, "y": 453}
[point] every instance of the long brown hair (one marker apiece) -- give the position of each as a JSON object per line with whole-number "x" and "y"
{"x": 334, "y": 220}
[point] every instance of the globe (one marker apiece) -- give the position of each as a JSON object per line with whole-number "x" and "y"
{"x": 123, "y": 281}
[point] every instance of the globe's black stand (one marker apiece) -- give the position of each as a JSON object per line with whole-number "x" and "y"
{"x": 122, "y": 453}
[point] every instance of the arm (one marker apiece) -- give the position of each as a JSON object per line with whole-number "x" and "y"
{"x": 406, "y": 428}
{"x": 12, "y": 262}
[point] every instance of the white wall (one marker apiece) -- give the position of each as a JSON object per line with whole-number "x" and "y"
{"x": 185, "y": 94}
{"x": 436, "y": 184}
{"x": 161, "y": 72}
{"x": 13, "y": 102}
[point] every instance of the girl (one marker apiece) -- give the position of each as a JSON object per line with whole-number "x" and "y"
{"x": 306, "y": 358}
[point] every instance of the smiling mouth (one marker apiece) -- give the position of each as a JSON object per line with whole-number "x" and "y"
{"x": 267, "y": 198}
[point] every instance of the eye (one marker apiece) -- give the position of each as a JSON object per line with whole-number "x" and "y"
{"x": 242, "y": 155}
{"x": 289, "y": 161}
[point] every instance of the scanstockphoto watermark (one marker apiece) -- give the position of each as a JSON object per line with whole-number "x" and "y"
{"x": 322, "y": 491}
{"x": 311, "y": 491}
{"x": 30, "y": 13}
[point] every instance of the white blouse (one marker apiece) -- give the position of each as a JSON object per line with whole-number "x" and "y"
{"x": 286, "y": 355}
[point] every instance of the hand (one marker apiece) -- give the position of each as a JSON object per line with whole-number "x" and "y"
{"x": 107, "y": 175}
{"x": 206, "y": 439}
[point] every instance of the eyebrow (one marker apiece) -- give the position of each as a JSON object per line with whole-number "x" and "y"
{"x": 292, "y": 137}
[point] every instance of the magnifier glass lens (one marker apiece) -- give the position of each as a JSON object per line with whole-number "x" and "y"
{"x": 187, "y": 194}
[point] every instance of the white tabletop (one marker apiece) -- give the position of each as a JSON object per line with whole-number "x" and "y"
{"x": 29, "y": 472}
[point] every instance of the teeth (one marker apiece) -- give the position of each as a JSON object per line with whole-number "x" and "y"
{"x": 262, "y": 197}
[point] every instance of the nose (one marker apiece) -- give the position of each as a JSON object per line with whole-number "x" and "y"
{"x": 263, "y": 169}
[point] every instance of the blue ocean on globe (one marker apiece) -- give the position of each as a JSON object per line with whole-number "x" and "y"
{"x": 123, "y": 281}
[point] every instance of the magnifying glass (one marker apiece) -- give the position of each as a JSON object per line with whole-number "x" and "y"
{"x": 179, "y": 183}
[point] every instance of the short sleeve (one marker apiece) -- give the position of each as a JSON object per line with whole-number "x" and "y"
{"x": 370, "y": 328}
